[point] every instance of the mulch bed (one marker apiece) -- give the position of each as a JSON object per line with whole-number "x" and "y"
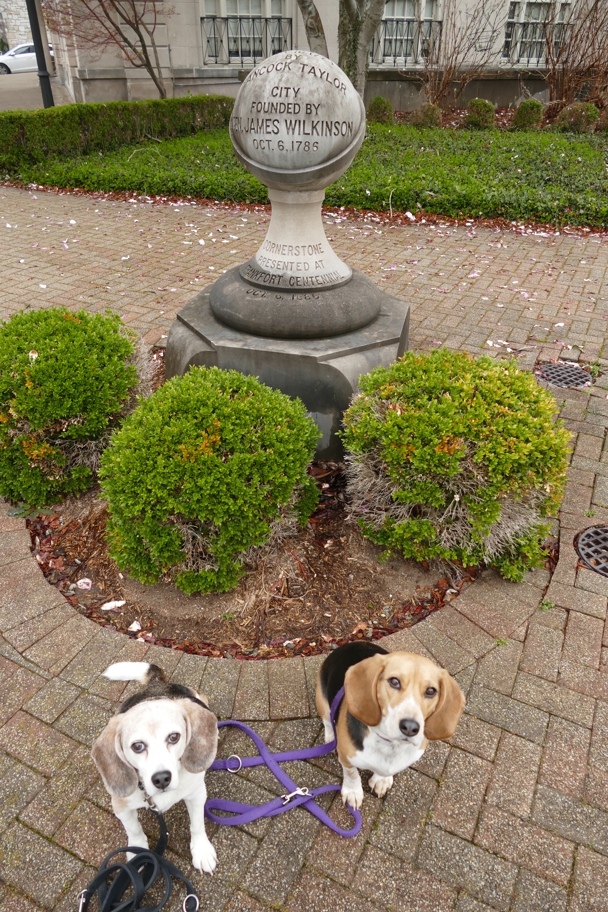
{"x": 334, "y": 592}
{"x": 322, "y": 588}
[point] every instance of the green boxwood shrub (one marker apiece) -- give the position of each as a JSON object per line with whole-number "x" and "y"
{"x": 428, "y": 115}
{"x": 380, "y": 110}
{"x": 580, "y": 117}
{"x": 66, "y": 379}
{"x": 456, "y": 459}
{"x": 529, "y": 115}
{"x": 602, "y": 123}
{"x": 481, "y": 114}
{"x": 201, "y": 472}
{"x": 33, "y": 136}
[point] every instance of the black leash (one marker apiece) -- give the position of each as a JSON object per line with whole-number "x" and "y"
{"x": 136, "y": 877}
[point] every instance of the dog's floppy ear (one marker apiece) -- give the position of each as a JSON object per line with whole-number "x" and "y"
{"x": 119, "y": 777}
{"x": 202, "y": 744}
{"x": 361, "y": 689}
{"x": 445, "y": 717}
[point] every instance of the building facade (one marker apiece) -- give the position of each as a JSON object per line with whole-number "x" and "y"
{"x": 206, "y": 46}
{"x": 14, "y": 23}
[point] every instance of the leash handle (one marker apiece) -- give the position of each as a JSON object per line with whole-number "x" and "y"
{"x": 295, "y": 795}
{"x": 140, "y": 873}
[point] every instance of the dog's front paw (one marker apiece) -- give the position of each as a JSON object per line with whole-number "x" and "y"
{"x": 328, "y": 732}
{"x": 352, "y": 796}
{"x": 203, "y": 854}
{"x": 380, "y": 784}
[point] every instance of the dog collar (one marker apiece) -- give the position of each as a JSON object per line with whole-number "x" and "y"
{"x": 164, "y": 692}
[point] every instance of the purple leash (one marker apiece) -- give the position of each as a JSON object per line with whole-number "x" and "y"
{"x": 294, "y": 797}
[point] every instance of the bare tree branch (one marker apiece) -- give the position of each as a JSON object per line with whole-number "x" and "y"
{"x": 99, "y": 25}
{"x": 314, "y": 27}
{"x": 459, "y": 49}
{"x": 576, "y": 51}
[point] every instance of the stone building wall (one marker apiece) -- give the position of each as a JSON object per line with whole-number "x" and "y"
{"x": 14, "y": 22}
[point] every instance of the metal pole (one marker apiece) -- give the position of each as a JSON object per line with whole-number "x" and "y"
{"x": 43, "y": 74}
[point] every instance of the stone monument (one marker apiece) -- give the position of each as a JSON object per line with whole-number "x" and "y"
{"x": 295, "y": 315}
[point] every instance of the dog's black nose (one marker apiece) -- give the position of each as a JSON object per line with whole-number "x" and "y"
{"x": 161, "y": 780}
{"x": 409, "y": 727}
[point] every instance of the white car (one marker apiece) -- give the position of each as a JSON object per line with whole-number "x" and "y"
{"x": 20, "y": 59}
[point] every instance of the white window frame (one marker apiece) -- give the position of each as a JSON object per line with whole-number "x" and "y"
{"x": 525, "y": 42}
{"x": 400, "y": 40}
{"x": 244, "y": 38}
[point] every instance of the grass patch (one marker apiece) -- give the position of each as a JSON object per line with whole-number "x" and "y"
{"x": 547, "y": 177}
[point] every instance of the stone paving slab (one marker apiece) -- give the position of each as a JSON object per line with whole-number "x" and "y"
{"x": 511, "y": 814}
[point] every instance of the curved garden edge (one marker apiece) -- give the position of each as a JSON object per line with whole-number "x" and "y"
{"x": 40, "y": 628}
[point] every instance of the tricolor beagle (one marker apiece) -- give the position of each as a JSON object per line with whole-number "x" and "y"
{"x": 394, "y": 704}
{"x": 162, "y": 740}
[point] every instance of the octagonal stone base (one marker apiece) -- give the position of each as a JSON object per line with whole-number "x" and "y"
{"x": 323, "y": 373}
{"x": 283, "y": 312}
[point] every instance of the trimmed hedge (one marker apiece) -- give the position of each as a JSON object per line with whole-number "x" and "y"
{"x": 579, "y": 117}
{"x": 529, "y": 115}
{"x": 481, "y": 114}
{"x": 428, "y": 115}
{"x": 29, "y": 137}
{"x": 202, "y": 471}
{"x": 66, "y": 381}
{"x": 453, "y": 458}
{"x": 380, "y": 110}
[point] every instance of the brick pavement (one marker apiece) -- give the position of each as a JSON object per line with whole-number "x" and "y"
{"x": 512, "y": 813}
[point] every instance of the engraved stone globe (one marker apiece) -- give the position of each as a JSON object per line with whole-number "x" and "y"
{"x": 297, "y": 122}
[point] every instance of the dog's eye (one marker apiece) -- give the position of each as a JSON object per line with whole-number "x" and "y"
{"x": 138, "y": 747}
{"x": 430, "y": 692}
{"x": 174, "y": 737}
{"x": 395, "y": 683}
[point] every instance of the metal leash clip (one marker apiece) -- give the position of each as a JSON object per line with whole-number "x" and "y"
{"x": 234, "y": 769}
{"x": 186, "y": 907}
{"x": 298, "y": 791}
{"x": 82, "y": 897}
{"x": 149, "y": 801}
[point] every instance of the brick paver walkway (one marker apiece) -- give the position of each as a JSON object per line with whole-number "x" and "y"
{"x": 512, "y": 814}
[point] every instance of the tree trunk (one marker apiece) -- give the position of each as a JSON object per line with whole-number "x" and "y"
{"x": 314, "y": 27}
{"x": 358, "y": 22}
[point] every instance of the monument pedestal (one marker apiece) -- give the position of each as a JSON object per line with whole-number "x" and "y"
{"x": 322, "y": 372}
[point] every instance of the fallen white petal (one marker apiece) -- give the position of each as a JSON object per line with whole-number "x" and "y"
{"x": 84, "y": 583}
{"x": 135, "y": 626}
{"x": 115, "y": 604}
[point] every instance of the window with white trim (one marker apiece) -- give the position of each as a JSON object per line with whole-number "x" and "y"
{"x": 403, "y": 35}
{"x": 243, "y": 31}
{"x": 530, "y": 25}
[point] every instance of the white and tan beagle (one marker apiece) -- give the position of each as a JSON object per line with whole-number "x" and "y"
{"x": 162, "y": 740}
{"x": 394, "y": 704}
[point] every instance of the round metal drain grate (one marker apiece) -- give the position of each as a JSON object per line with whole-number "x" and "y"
{"x": 592, "y": 547}
{"x": 565, "y": 375}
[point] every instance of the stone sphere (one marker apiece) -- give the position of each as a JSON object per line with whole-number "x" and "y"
{"x": 297, "y": 122}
